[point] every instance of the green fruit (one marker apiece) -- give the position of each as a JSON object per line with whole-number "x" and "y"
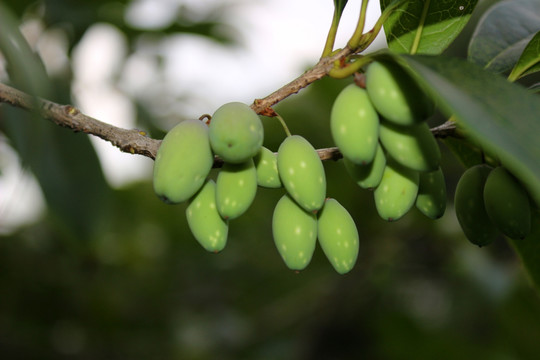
{"x": 431, "y": 199}
{"x": 236, "y": 132}
{"x": 183, "y": 162}
{"x": 302, "y": 172}
{"x": 338, "y": 236}
{"x": 204, "y": 221}
{"x": 354, "y": 125}
{"x": 236, "y": 186}
{"x": 397, "y": 191}
{"x": 470, "y": 208}
{"x": 507, "y": 204}
{"x": 295, "y": 233}
{"x": 396, "y": 95}
{"x": 413, "y": 146}
{"x": 267, "y": 170}
{"x": 367, "y": 176}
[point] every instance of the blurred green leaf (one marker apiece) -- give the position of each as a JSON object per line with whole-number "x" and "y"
{"x": 20, "y": 7}
{"x": 424, "y": 26}
{"x": 66, "y": 167}
{"x": 25, "y": 69}
{"x": 529, "y": 61}
{"x": 77, "y": 16}
{"x": 503, "y": 32}
{"x": 528, "y": 249}
{"x": 65, "y": 164}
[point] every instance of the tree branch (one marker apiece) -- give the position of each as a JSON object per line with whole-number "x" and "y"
{"x": 131, "y": 141}
{"x": 320, "y": 70}
{"x": 137, "y": 142}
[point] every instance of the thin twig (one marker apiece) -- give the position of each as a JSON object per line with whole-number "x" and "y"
{"x": 130, "y": 141}
{"x": 317, "y": 72}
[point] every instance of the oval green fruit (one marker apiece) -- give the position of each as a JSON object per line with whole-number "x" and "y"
{"x": 267, "y": 170}
{"x": 183, "y": 161}
{"x": 302, "y": 172}
{"x": 354, "y": 125}
{"x": 367, "y": 176}
{"x": 431, "y": 199}
{"x": 413, "y": 146}
{"x": 338, "y": 236}
{"x": 236, "y": 132}
{"x": 396, "y": 95}
{"x": 397, "y": 191}
{"x": 236, "y": 186}
{"x": 204, "y": 221}
{"x": 469, "y": 206}
{"x": 295, "y": 233}
{"x": 507, "y": 204}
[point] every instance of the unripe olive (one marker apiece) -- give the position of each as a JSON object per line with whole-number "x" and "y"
{"x": 354, "y": 125}
{"x": 183, "y": 162}
{"x": 507, "y": 204}
{"x": 302, "y": 172}
{"x": 338, "y": 236}
{"x": 367, "y": 176}
{"x": 469, "y": 206}
{"x": 236, "y": 186}
{"x": 236, "y": 132}
{"x": 412, "y": 146}
{"x": 397, "y": 191}
{"x": 295, "y": 233}
{"x": 431, "y": 199}
{"x": 204, "y": 221}
{"x": 267, "y": 170}
{"x": 396, "y": 95}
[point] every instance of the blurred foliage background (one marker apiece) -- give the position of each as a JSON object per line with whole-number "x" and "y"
{"x": 110, "y": 272}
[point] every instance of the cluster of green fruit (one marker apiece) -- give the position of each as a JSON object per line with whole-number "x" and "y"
{"x": 386, "y": 143}
{"x": 490, "y": 201}
{"x": 387, "y": 146}
{"x": 235, "y": 134}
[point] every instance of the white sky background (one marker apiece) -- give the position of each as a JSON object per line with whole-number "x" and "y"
{"x": 280, "y": 39}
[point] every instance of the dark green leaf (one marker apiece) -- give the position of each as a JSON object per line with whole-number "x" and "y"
{"x": 466, "y": 153}
{"x": 499, "y": 115}
{"x": 424, "y": 26}
{"x": 528, "y": 249}
{"x": 65, "y": 165}
{"x": 529, "y": 61}
{"x": 503, "y": 32}
{"x": 532, "y": 69}
{"x": 535, "y": 88}
{"x": 339, "y": 5}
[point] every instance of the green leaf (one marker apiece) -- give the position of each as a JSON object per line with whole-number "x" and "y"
{"x": 503, "y": 32}
{"x": 340, "y": 6}
{"x": 65, "y": 164}
{"x": 499, "y": 115}
{"x": 426, "y": 26}
{"x": 25, "y": 69}
{"x": 528, "y": 249}
{"x": 466, "y": 153}
{"x": 529, "y": 61}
